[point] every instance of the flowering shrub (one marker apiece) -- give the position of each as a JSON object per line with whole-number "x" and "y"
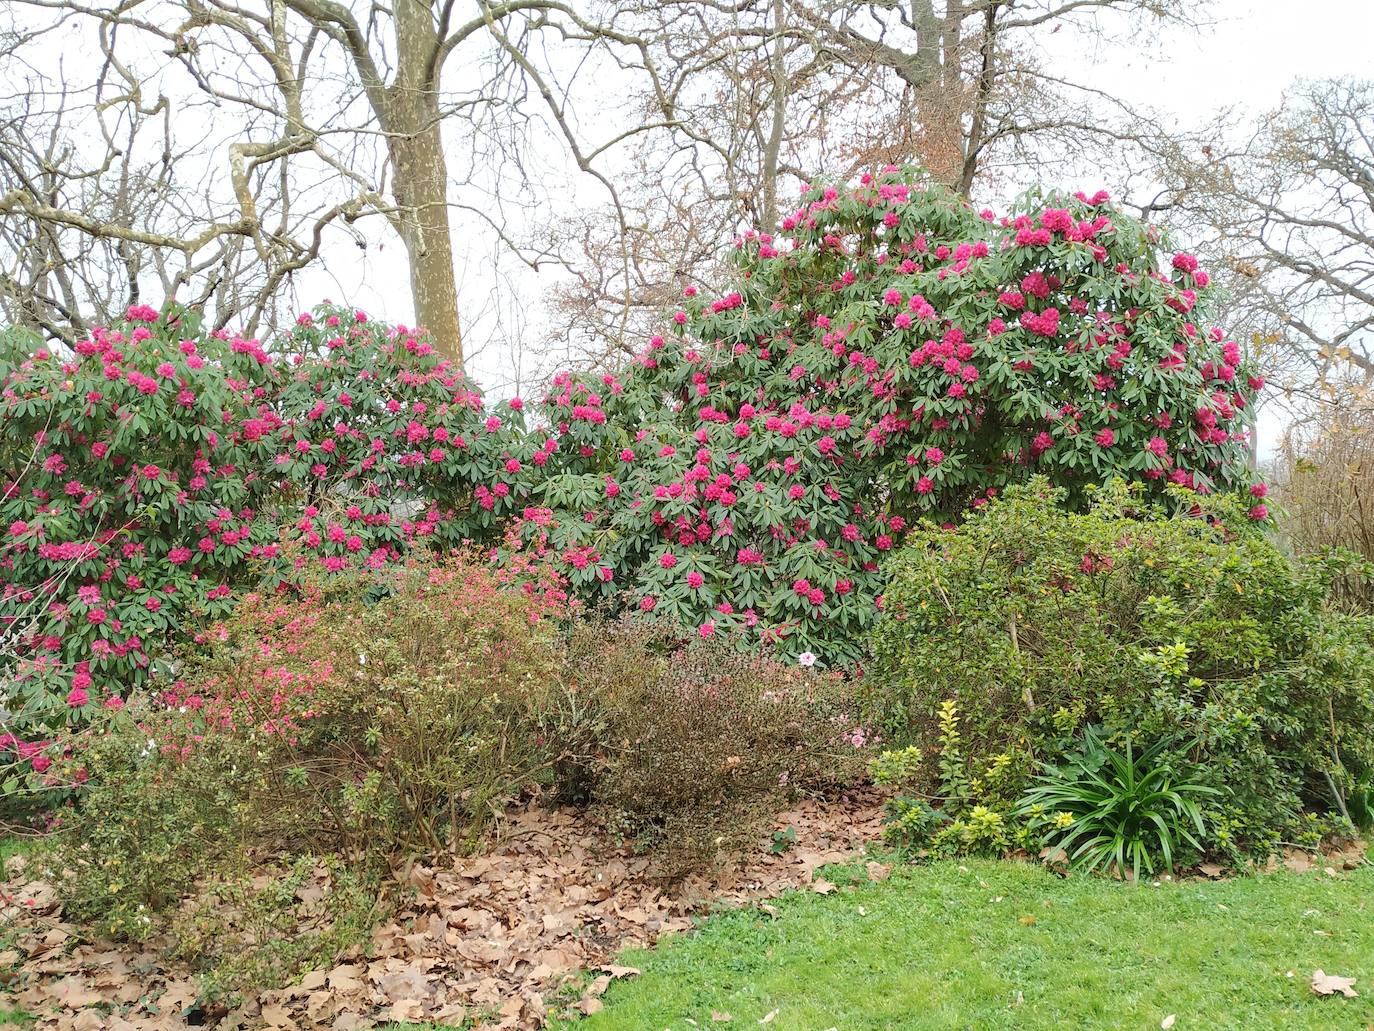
{"x": 323, "y": 722}
{"x": 152, "y": 476}
{"x": 1005, "y": 639}
{"x": 894, "y": 355}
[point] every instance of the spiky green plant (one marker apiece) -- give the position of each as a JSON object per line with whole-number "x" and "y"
{"x": 1106, "y": 808}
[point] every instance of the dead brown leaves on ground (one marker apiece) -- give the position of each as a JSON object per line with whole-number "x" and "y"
{"x": 502, "y": 936}
{"x": 1330, "y": 984}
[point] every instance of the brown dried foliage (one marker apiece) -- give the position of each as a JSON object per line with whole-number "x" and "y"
{"x": 1327, "y": 489}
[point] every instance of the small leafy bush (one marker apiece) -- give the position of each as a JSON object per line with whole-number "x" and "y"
{"x": 265, "y": 930}
{"x": 1004, "y": 639}
{"x": 150, "y": 825}
{"x": 1116, "y": 809}
{"x": 686, "y": 744}
{"x": 366, "y": 719}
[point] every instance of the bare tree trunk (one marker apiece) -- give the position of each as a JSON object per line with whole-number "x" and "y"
{"x": 973, "y": 144}
{"x": 420, "y": 188}
{"x": 412, "y": 121}
{"x": 774, "y": 146}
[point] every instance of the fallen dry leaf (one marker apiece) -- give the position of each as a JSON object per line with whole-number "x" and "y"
{"x": 1168, "y": 1021}
{"x": 492, "y": 933}
{"x": 822, "y": 887}
{"x": 768, "y": 1017}
{"x": 721, "y": 1018}
{"x": 878, "y": 872}
{"x": 1329, "y": 984}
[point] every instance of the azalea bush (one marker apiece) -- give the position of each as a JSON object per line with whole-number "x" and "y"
{"x": 1192, "y": 635}
{"x": 150, "y": 478}
{"x": 361, "y": 718}
{"x": 892, "y": 355}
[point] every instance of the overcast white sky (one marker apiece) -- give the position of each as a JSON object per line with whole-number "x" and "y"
{"x": 1253, "y": 50}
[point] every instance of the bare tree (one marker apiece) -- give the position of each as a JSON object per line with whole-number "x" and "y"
{"x": 1288, "y": 212}
{"x": 762, "y": 96}
{"x": 333, "y": 112}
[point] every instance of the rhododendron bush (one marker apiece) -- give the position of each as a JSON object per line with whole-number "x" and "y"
{"x": 892, "y": 355}
{"x": 152, "y": 475}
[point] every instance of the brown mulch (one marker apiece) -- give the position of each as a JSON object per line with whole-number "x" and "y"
{"x": 503, "y": 936}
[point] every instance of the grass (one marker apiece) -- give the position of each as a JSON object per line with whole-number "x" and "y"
{"x": 11, "y": 1017}
{"x": 995, "y": 944}
{"x": 14, "y": 846}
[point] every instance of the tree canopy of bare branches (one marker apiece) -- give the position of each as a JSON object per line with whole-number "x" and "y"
{"x": 1290, "y": 208}
{"x": 233, "y": 137}
{"x": 762, "y": 96}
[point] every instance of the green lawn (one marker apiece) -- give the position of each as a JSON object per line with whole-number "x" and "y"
{"x": 989, "y": 944}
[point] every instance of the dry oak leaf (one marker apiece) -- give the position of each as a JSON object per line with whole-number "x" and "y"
{"x": 878, "y": 872}
{"x": 403, "y": 985}
{"x": 73, "y": 992}
{"x": 346, "y": 978}
{"x": 721, "y": 1018}
{"x": 822, "y": 887}
{"x": 178, "y": 996}
{"x": 1329, "y": 984}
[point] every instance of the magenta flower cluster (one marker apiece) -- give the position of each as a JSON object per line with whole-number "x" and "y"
{"x": 893, "y": 355}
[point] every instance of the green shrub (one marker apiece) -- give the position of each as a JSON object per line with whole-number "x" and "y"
{"x": 688, "y": 745}
{"x": 149, "y": 826}
{"x": 1004, "y": 639}
{"x": 1107, "y": 809}
{"x": 339, "y": 722}
{"x": 394, "y": 720}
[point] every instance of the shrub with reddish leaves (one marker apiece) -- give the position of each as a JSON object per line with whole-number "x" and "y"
{"x": 363, "y": 715}
{"x": 152, "y": 475}
{"x": 894, "y": 355}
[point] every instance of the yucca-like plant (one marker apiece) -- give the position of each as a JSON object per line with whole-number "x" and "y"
{"x": 1106, "y": 808}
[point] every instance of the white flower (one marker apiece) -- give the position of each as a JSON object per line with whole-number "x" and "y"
{"x": 807, "y": 658}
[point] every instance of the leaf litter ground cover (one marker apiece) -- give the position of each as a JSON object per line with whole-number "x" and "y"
{"x": 535, "y": 932}
{"x": 498, "y": 937}
{"x": 997, "y": 944}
